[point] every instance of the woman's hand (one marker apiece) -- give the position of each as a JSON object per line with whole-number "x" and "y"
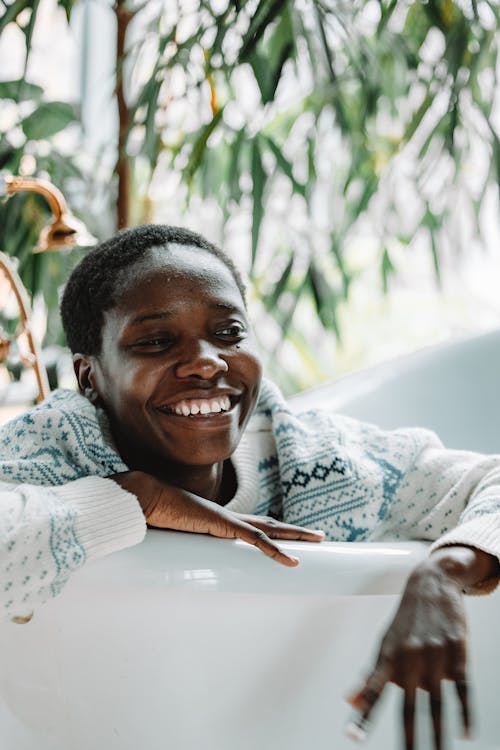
{"x": 168, "y": 507}
{"x": 426, "y": 641}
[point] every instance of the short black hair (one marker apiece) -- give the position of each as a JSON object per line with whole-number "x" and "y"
{"x": 92, "y": 285}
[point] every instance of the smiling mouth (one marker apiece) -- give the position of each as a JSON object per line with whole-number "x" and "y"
{"x": 200, "y": 407}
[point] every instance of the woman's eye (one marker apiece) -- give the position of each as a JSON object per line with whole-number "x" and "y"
{"x": 232, "y": 331}
{"x": 153, "y": 344}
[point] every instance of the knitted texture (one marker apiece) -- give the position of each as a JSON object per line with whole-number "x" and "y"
{"x": 56, "y": 442}
{"x": 353, "y": 480}
{"x": 53, "y": 444}
{"x": 332, "y": 472}
{"x": 357, "y": 482}
{"x": 40, "y": 565}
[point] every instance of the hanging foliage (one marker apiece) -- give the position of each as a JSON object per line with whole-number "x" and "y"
{"x": 340, "y": 93}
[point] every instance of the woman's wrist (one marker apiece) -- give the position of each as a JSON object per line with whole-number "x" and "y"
{"x": 142, "y": 485}
{"x": 466, "y": 566}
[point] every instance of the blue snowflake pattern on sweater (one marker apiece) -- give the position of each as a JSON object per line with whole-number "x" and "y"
{"x": 58, "y": 441}
{"x": 330, "y": 472}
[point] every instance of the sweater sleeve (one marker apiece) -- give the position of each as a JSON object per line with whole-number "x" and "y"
{"x": 48, "y": 533}
{"x": 452, "y": 497}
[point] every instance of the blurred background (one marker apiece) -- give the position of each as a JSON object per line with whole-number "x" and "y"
{"x": 345, "y": 154}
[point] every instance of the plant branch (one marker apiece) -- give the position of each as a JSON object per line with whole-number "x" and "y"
{"x": 122, "y": 168}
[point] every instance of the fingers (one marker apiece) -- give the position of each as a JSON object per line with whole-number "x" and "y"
{"x": 365, "y": 699}
{"x": 457, "y": 669}
{"x": 435, "y": 702}
{"x": 463, "y": 697}
{"x": 259, "y": 539}
{"x": 433, "y": 671}
{"x": 279, "y": 530}
{"x": 409, "y": 717}
{"x": 408, "y": 678}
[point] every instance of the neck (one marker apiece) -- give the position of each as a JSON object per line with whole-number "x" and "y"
{"x": 205, "y": 481}
{"x": 215, "y": 482}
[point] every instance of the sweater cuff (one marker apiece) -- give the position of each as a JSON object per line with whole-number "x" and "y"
{"x": 482, "y": 533}
{"x": 108, "y": 518}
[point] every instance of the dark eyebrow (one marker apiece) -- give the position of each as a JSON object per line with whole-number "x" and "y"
{"x": 167, "y": 314}
{"x": 150, "y": 316}
{"x": 224, "y": 306}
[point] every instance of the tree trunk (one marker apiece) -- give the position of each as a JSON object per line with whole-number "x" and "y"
{"x": 122, "y": 168}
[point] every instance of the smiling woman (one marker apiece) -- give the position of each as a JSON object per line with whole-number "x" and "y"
{"x": 177, "y": 373}
{"x": 174, "y": 426}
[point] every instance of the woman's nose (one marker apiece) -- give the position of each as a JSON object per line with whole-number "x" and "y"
{"x": 201, "y": 360}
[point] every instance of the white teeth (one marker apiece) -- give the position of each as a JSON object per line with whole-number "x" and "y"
{"x": 185, "y": 407}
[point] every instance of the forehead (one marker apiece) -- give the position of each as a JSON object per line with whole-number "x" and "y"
{"x": 180, "y": 269}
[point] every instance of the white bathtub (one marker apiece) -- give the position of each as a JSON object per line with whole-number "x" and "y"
{"x": 191, "y": 643}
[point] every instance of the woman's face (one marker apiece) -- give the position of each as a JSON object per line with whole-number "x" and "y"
{"x": 178, "y": 373}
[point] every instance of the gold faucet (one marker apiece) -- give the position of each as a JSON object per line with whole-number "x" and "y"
{"x": 64, "y": 231}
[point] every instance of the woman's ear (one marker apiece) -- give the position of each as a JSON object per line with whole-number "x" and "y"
{"x": 85, "y": 367}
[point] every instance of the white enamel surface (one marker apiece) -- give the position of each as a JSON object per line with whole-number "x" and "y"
{"x": 452, "y": 389}
{"x": 192, "y": 643}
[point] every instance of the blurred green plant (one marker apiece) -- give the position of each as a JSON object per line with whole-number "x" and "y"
{"x": 27, "y": 143}
{"x": 344, "y": 90}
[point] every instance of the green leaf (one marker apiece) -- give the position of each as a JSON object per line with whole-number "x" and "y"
{"x": 48, "y": 118}
{"x": 386, "y": 269}
{"x": 149, "y": 88}
{"x": 416, "y": 26}
{"x": 268, "y": 64}
{"x": 311, "y": 165}
{"x": 152, "y": 138}
{"x": 200, "y": 145}
{"x": 285, "y": 166}
{"x": 456, "y": 44}
{"x": 324, "y": 296}
{"x": 385, "y": 14}
{"x": 369, "y": 188}
{"x": 258, "y": 180}
{"x": 12, "y": 12}
{"x": 67, "y": 5}
{"x": 418, "y": 116}
{"x": 266, "y": 12}
{"x": 286, "y": 320}
{"x": 432, "y": 222}
{"x": 435, "y": 255}
{"x": 20, "y": 90}
{"x": 496, "y": 154}
{"x": 335, "y": 249}
{"x": 223, "y": 21}
{"x": 28, "y": 32}
{"x": 7, "y": 155}
{"x": 320, "y": 17}
{"x": 234, "y": 170}
{"x": 273, "y": 298}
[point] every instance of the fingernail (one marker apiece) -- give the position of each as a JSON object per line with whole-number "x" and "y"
{"x": 355, "y": 732}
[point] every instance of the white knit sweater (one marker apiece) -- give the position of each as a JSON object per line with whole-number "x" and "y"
{"x": 355, "y": 481}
